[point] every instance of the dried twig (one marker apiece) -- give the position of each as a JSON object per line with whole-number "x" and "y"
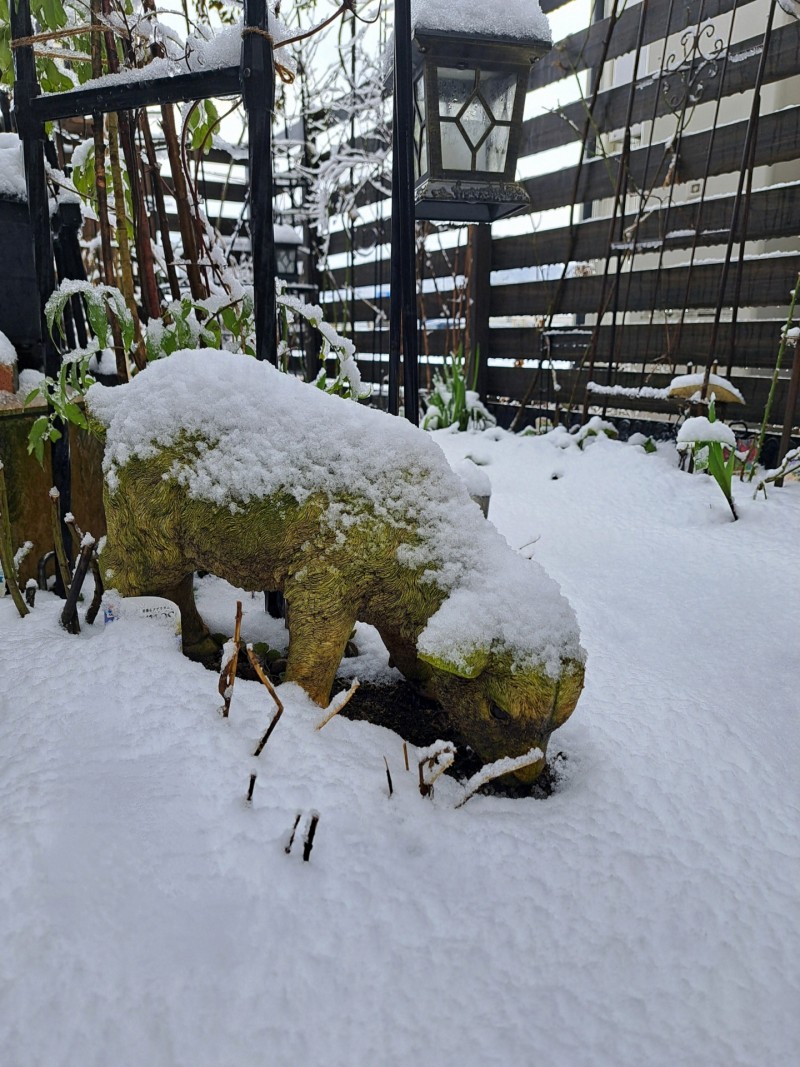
{"x": 263, "y": 742}
{"x": 288, "y": 847}
{"x": 99, "y": 588}
{"x": 263, "y": 678}
{"x": 251, "y": 787}
{"x": 228, "y": 673}
{"x": 58, "y": 539}
{"x": 388, "y": 776}
{"x": 6, "y": 549}
{"x": 437, "y": 757}
{"x": 69, "y": 616}
{"x": 490, "y": 771}
{"x": 337, "y": 704}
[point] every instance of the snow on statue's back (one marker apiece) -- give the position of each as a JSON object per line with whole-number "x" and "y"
{"x": 217, "y": 462}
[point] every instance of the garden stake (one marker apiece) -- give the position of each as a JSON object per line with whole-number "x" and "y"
{"x": 388, "y": 776}
{"x": 58, "y": 540}
{"x": 228, "y": 673}
{"x": 308, "y": 844}
{"x": 6, "y": 551}
{"x": 405, "y": 755}
{"x": 337, "y": 704}
{"x": 251, "y": 788}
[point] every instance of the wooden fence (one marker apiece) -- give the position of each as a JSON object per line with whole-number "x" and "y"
{"x": 676, "y": 243}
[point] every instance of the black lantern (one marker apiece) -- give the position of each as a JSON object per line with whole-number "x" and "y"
{"x": 287, "y": 247}
{"x": 469, "y": 98}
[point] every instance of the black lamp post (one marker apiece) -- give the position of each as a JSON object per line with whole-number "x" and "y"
{"x": 459, "y": 100}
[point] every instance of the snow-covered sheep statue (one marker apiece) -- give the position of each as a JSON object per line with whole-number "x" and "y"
{"x": 214, "y": 461}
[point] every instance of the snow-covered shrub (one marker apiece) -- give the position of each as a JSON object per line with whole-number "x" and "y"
{"x": 451, "y": 403}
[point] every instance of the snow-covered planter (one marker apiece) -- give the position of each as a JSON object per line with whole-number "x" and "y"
{"x": 216, "y": 461}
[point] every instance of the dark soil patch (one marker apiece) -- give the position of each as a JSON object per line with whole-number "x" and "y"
{"x": 420, "y": 721}
{"x": 417, "y": 719}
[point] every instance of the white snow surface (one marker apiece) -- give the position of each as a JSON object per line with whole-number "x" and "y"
{"x": 699, "y": 430}
{"x": 8, "y": 354}
{"x": 12, "y": 168}
{"x": 252, "y": 446}
{"x": 644, "y": 915}
{"x": 522, "y": 20}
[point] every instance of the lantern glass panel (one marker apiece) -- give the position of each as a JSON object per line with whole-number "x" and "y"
{"x": 286, "y": 261}
{"x": 493, "y": 153}
{"x": 498, "y": 89}
{"x": 420, "y": 129}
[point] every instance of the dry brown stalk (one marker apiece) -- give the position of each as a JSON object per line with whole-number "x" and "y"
{"x": 228, "y": 673}
{"x": 251, "y": 787}
{"x": 337, "y": 704}
{"x": 58, "y": 540}
{"x": 7, "y": 549}
{"x": 263, "y": 678}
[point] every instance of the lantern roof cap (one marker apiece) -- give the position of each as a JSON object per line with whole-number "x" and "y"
{"x": 520, "y": 21}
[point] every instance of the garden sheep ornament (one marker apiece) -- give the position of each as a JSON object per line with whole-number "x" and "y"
{"x": 217, "y": 462}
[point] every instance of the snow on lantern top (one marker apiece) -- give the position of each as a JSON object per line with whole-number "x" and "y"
{"x": 520, "y": 21}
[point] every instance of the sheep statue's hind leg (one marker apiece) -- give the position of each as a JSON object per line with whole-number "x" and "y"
{"x": 196, "y": 639}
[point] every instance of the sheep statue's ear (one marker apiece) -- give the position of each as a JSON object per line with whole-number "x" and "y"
{"x": 464, "y": 663}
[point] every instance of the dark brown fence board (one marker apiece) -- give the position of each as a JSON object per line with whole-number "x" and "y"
{"x": 756, "y": 343}
{"x": 765, "y": 283}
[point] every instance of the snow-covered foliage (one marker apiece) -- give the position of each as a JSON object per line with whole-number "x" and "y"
{"x": 12, "y": 170}
{"x": 451, "y": 403}
{"x": 8, "y": 354}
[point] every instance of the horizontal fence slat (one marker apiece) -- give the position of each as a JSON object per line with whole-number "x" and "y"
{"x": 765, "y": 282}
{"x": 778, "y": 140}
{"x": 773, "y": 213}
{"x": 755, "y": 343}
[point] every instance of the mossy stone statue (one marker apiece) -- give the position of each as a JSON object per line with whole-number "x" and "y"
{"x": 216, "y": 462}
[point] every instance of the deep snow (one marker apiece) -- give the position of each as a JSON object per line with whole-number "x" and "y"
{"x": 646, "y": 914}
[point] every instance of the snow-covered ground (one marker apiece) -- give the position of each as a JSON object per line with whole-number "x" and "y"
{"x": 645, "y": 914}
